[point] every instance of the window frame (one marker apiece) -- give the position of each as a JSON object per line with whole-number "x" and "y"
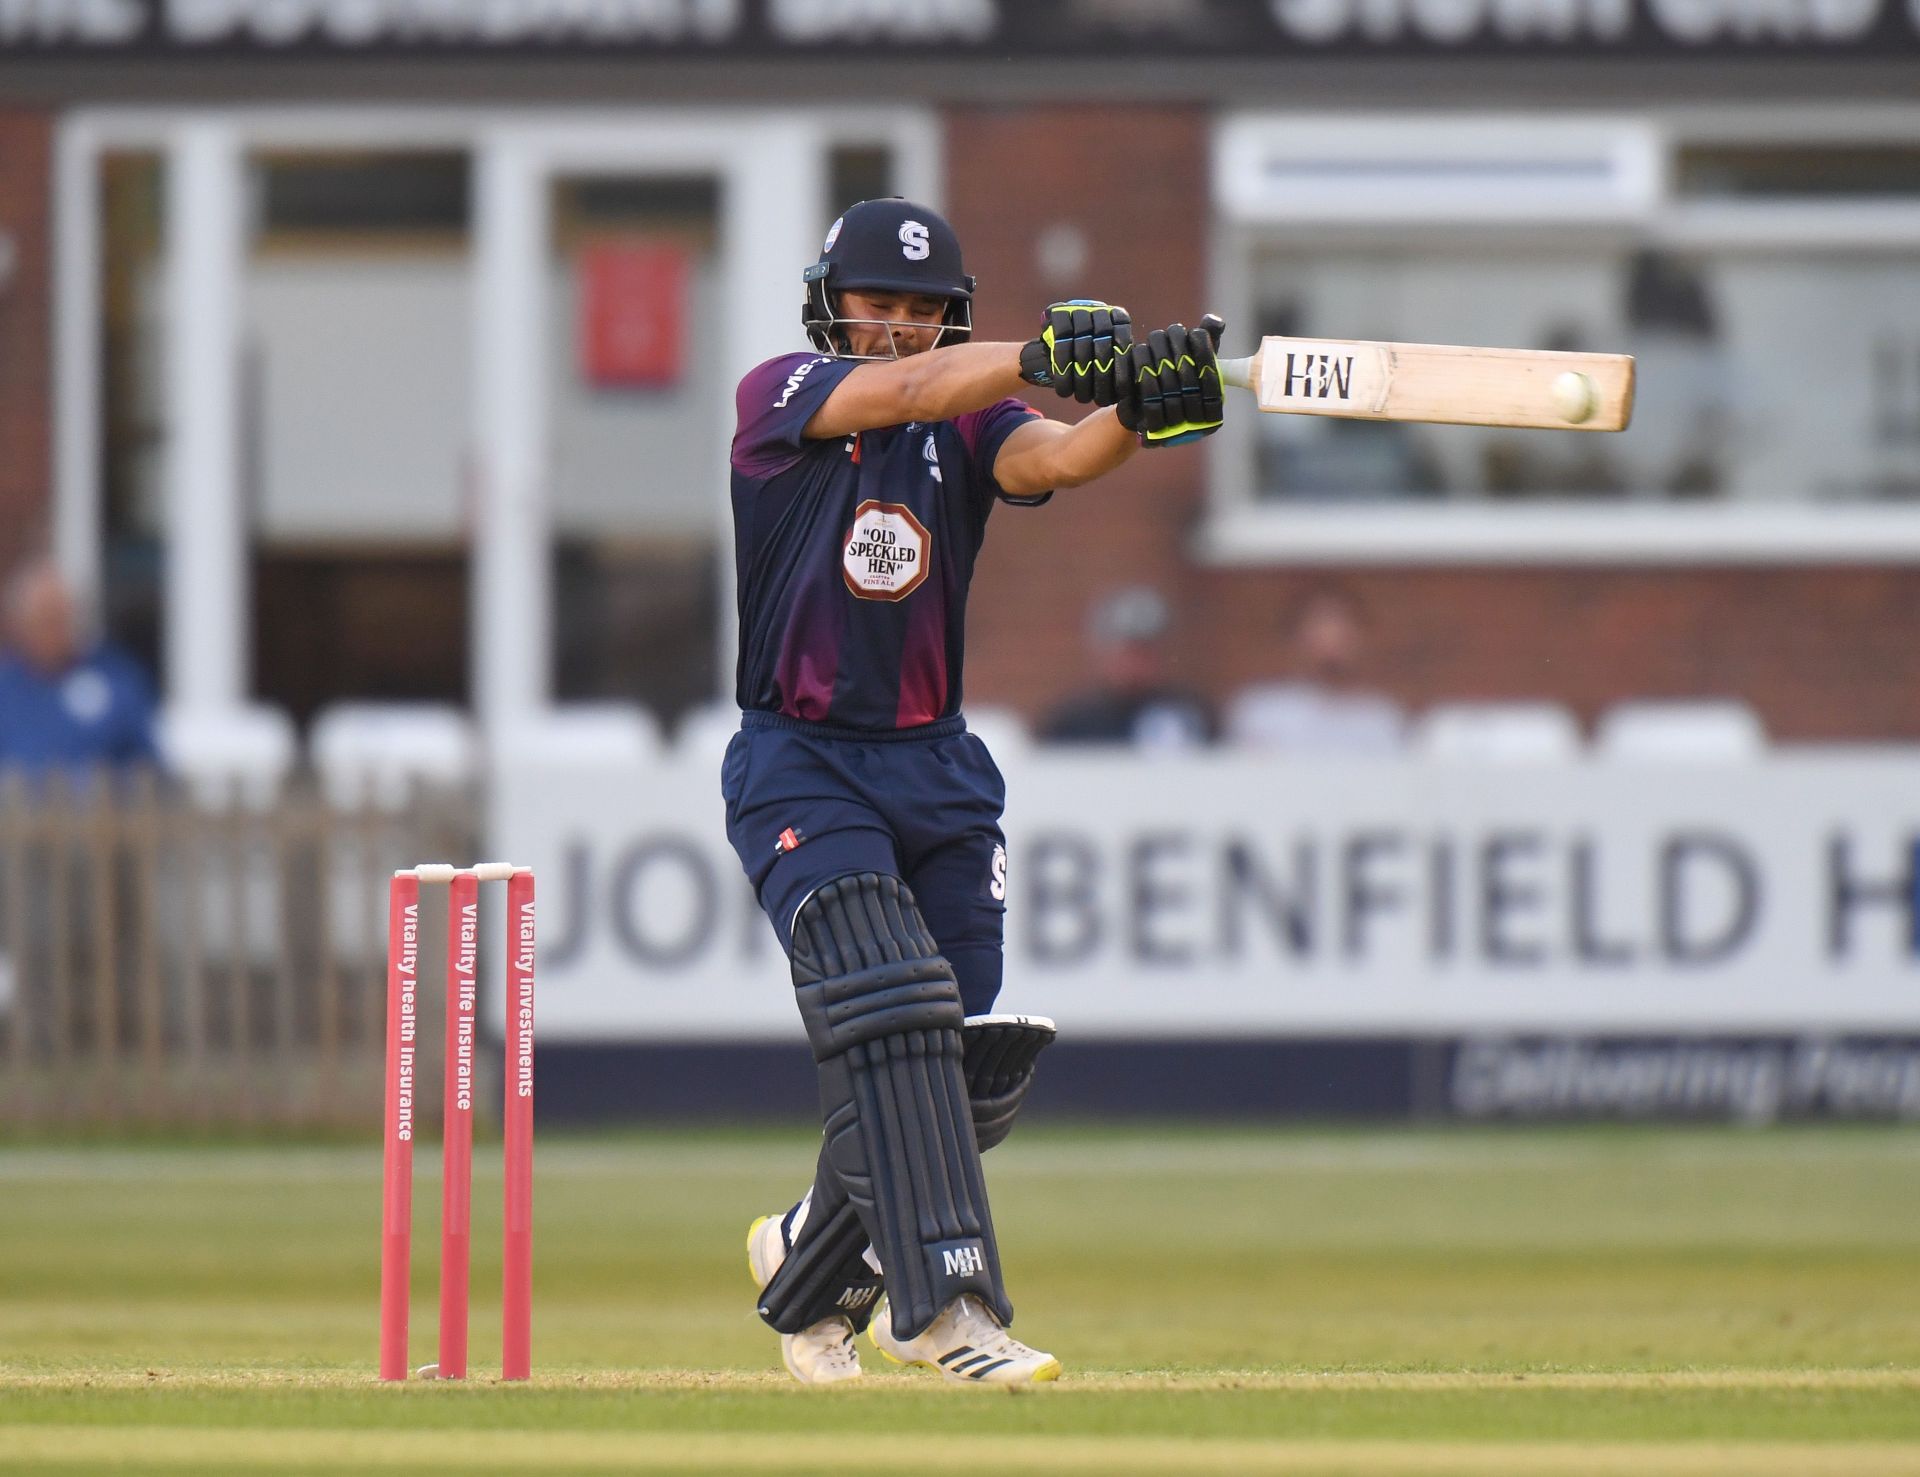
{"x": 1241, "y": 530}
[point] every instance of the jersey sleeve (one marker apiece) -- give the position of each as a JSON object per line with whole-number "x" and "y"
{"x": 985, "y": 432}
{"x": 773, "y": 405}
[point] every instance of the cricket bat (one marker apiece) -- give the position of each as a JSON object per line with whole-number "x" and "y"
{"x": 1448, "y": 383}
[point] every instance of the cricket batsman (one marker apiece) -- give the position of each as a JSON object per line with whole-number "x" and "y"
{"x": 865, "y": 814}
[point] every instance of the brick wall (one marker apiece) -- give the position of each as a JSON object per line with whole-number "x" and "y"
{"x": 1822, "y": 653}
{"x": 1015, "y": 174}
{"x": 26, "y": 416}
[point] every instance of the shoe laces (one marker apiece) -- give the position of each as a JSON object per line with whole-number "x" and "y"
{"x": 833, "y": 1339}
{"x": 974, "y": 1323}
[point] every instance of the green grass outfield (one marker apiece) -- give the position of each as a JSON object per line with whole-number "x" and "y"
{"x": 1239, "y": 1301}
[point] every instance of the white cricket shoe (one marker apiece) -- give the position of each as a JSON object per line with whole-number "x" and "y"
{"x": 965, "y": 1343}
{"x": 823, "y": 1353}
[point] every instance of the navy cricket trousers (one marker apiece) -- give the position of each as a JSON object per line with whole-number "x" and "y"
{"x": 807, "y": 803}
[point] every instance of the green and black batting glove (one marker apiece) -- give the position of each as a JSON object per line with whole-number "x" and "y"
{"x": 1176, "y": 395}
{"x": 1080, "y": 352}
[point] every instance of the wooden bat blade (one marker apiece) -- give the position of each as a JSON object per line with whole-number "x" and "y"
{"x": 1448, "y": 383}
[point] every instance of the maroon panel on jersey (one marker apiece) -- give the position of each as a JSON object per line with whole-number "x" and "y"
{"x": 854, "y": 555}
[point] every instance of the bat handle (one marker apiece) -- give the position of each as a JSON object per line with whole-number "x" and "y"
{"x": 1238, "y": 371}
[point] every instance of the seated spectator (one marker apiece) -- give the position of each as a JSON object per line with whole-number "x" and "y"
{"x": 1325, "y": 707}
{"x": 67, "y": 702}
{"x": 1132, "y": 702}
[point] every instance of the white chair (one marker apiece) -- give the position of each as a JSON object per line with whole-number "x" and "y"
{"x": 1703, "y": 731}
{"x": 1497, "y": 733}
{"x": 227, "y": 756}
{"x": 702, "y": 734}
{"x": 600, "y": 735}
{"x": 376, "y": 752}
{"x": 1002, "y": 730}
{"x": 235, "y": 761}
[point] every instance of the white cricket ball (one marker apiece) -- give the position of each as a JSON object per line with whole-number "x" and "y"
{"x": 1574, "y": 396}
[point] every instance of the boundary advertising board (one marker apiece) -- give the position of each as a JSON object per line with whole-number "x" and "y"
{"x": 1228, "y": 897}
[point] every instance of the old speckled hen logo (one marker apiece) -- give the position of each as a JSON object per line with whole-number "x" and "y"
{"x": 887, "y": 552}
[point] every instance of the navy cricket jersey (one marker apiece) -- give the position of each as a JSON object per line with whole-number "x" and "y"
{"x": 854, "y": 554}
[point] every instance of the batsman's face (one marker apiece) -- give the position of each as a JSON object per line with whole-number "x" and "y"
{"x": 913, "y": 321}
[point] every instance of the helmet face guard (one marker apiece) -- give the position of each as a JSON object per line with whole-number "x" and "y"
{"x": 894, "y": 246}
{"x": 824, "y": 322}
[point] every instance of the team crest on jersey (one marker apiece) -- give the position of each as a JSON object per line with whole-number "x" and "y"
{"x": 932, "y": 454}
{"x": 886, "y": 553}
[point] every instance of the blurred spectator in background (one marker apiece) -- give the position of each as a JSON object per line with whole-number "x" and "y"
{"x": 1683, "y": 436}
{"x": 68, "y": 701}
{"x": 1324, "y": 708}
{"x": 1132, "y": 703}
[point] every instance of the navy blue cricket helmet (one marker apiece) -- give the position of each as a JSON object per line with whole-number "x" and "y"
{"x": 890, "y": 245}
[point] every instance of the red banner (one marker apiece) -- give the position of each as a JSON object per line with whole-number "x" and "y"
{"x": 632, "y": 314}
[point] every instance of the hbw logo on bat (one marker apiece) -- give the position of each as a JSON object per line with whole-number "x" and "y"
{"x": 1318, "y": 376}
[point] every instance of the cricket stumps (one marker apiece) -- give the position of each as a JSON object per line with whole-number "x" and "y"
{"x": 458, "y": 1089}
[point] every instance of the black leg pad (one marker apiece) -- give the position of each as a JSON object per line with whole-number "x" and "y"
{"x": 997, "y": 1057}
{"x": 826, "y": 1272}
{"x": 883, "y": 1014}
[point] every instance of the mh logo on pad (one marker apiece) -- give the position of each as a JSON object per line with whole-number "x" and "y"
{"x": 965, "y": 1261}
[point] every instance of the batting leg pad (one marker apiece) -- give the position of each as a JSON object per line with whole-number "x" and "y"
{"x": 826, "y": 1271}
{"x": 883, "y": 1015}
{"x": 998, "y": 1053}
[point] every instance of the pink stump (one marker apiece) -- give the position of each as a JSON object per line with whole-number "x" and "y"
{"x": 456, "y": 1206}
{"x": 396, "y": 1208}
{"x": 516, "y": 1293}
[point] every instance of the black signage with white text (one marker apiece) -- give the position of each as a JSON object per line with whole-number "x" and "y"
{"x": 997, "y": 30}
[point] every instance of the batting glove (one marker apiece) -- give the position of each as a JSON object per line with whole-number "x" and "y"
{"x": 1176, "y": 394}
{"x": 1080, "y": 352}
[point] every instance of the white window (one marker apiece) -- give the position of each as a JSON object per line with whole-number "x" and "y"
{"x": 1770, "y": 292}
